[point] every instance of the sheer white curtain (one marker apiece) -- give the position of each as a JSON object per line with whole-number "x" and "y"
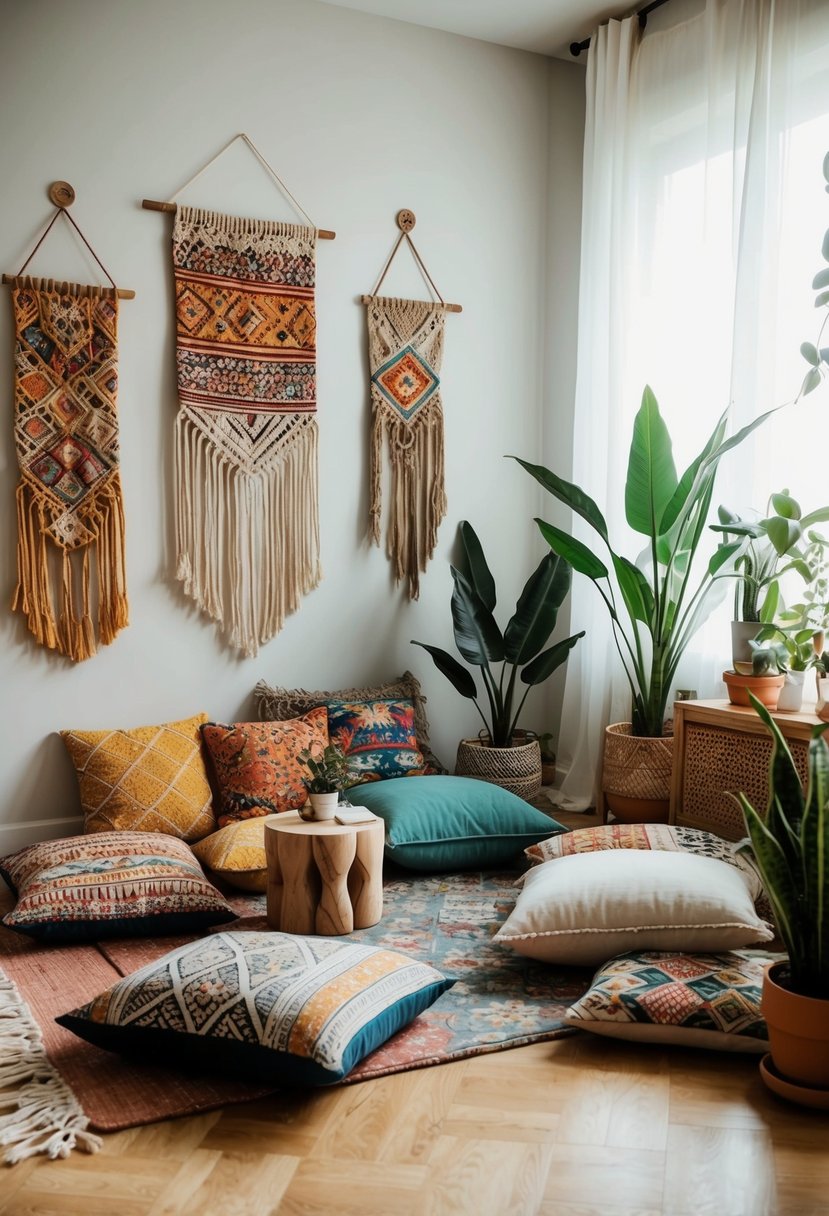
{"x": 702, "y": 223}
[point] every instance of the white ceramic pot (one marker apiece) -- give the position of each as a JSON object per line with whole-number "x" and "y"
{"x": 791, "y": 694}
{"x": 324, "y": 806}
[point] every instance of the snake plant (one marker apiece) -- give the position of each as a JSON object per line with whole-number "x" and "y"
{"x": 518, "y": 649}
{"x": 791, "y": 851}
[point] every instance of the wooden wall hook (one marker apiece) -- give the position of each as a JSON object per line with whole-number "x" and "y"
{"x": 61, "y": 194}
{"x": 406, "y": 220}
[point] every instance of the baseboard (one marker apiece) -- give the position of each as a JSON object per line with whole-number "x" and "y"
{"x": 15, "y": 836}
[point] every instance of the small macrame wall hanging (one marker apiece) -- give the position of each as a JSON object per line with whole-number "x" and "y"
{"x": 71, "y": 573}
{"x": 246, "y": 506}
{"x": 405, "y": 350}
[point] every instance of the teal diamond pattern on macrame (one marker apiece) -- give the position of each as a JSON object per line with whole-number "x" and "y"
{"x": 406, "y": 382}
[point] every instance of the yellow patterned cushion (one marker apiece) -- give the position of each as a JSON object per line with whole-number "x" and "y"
{"x": 149, "y": 779}
{"x": 237, "y": 853}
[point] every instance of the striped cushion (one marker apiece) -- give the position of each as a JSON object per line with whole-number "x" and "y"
{"x": 110, "y": 884}
{"x": 270, "y": 1006}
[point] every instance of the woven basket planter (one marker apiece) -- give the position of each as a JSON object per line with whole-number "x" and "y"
{"x": 636, "y": 775}
{"x": 517, "y": 769}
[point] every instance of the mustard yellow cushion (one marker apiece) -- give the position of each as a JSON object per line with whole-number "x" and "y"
{"x": 237, "y": 853}
{"x": 149, "y": 779}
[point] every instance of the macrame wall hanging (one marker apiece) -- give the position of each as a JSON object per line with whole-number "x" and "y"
{"x": 247, "y": 516}
{"x": 405, "y": 349}
{"x": 71, "y": 575}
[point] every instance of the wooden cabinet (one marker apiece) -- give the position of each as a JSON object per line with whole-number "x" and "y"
{"x": 721, "y": 749}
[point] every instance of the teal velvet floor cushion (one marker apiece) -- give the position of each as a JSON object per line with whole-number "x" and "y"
{"x": 452, "y": 823}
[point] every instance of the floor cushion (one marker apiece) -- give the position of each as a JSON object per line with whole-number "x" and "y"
{"x": 589, "y": 907}
{"x": 236, "y": 853}
{"x": 273, "y": 1007}
{"x": 147, "y": 779}
{"x": 110, "y": 884}
{"x": 692, "y": 1000}
{"x": 257, "y": 766}
{"x": 452, "y": 823}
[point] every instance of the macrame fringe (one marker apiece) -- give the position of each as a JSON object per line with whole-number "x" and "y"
{"x": 72, "y": 631}
{"x": 247, "y": 544}
{"x": 44, "y": 1116}
{"x": 418, "y": 497}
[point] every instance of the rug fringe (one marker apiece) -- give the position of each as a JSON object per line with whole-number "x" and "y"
{"x": 44, "y": 1116}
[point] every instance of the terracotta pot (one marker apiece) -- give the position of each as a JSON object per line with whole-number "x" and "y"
{"x": 517, "y": 768}
{"x": 765, "y": 688}
{"x": 798, "y": 1031}
{"x": 548, "y": 772}
{"x": 636, "y": 775}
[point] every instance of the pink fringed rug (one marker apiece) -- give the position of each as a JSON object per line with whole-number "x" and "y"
{"x": 500, "y": 999}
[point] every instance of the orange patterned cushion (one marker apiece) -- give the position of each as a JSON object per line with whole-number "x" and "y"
{"x": 256, "y": 763}
{"x": 149, "y": 779}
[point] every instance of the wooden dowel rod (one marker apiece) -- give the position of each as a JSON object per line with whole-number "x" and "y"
{"x": 445, "y": 307}
{"x": 150, "y": 204}
{"x": 123, "y": 293}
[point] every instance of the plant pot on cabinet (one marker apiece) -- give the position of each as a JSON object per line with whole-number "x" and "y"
{"x": 636, "y": 775}
{"x": 765, "y": 688}
{"x": 798, "y": 1029}
{"x": 791, "y": 694}
{"x": 742, "y": 633}
{"x": 517, "y": 768}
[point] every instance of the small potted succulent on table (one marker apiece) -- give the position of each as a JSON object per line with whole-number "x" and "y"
{"x": 327, "y": 778}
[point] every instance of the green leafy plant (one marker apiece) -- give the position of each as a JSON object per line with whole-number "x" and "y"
{"x": 655, "y": 607}
{"x": 519, "y": 649}
{"x": 791, "y": 849}
{"x": 327, "y": 770}
{"x": 771, "y": 548}
{"x": 793, "y": 650}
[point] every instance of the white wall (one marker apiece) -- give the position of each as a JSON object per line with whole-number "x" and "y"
{"x": 360, "y": 116}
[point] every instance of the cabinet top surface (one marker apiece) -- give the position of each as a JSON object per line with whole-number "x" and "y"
{"x": 717, "y": 707}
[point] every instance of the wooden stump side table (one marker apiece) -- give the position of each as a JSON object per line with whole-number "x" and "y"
{"x": 323, "y": 878}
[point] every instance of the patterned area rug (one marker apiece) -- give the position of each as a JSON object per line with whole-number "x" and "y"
{"x": 500, "y": 1000}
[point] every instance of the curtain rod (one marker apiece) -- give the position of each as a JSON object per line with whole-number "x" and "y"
{"x": 576, "y": 48}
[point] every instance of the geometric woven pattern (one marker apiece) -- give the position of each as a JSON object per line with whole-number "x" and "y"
{"x": 148, "y": 779}
{"x": 111, "y": 885}
{"x": 705, "y": 999}
{"x": 274, "y": 1005}
{"x": 405, "y": 347}
{"x": 66, "y": 434}
{"x": 247, "y": 543}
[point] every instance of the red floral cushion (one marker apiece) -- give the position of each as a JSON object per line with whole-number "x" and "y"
{"x": 256, "y": 763}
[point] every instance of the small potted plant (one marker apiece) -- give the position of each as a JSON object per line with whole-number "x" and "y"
{"x": 327, "y": 777}
{"x": 797, "y": 651}
{"x": 791, "y": 846}
{"x": 548, "y": 758}
{"x": 765, "y": 680}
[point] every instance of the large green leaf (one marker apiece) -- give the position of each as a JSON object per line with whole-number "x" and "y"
{"x": 573, "y": 551}
{"x": 815, "y": 517}
{"x": 569, "y": 494}
{"x": 681, "y": 495}
{"x": 477, "y": 636}
{"x": 461, "y": 679}
{"x": 723, "y": 555}
{"x": 651, "y": 476}
{"x": 636, "y": 590}
{"x": 537, "y": 609}
{"x": 815, "y": 853}
{"x": 783, "y": 533}
{"x": 779, "y": 879}
{"x": 785, "y": 809}
{"x": 475, "y": 566}
{"x": 546, "y": 663}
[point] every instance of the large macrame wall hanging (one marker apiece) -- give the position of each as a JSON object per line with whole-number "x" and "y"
{"x": 247, "y": 519}
{"x": 71, "y": 583}
{"x": 405, "y": 347}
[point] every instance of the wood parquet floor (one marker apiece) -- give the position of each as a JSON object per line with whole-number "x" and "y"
{"x": 574, "y": 1127}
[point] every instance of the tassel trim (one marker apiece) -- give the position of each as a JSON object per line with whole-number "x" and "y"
{"x": 237, "y": 225}
{"x": 247, "y": 543}
{"x": 418, "y": 496}
{"x": 44, "y": 1116}
{"x": 71, "y": 631}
